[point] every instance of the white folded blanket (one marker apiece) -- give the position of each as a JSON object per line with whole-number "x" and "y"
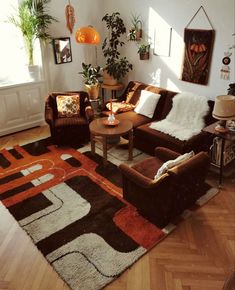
{"x": 186, "y": 117}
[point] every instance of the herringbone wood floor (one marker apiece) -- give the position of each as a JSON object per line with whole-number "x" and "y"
{"x": 198, "y": 255}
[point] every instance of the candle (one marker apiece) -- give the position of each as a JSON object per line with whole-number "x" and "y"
{"x": 111, "y": 106}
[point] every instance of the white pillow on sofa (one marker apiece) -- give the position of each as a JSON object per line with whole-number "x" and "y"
{"x": 147, "y": 103}
{"x": 171, "y": 163}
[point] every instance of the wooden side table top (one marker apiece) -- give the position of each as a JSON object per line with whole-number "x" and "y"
{"x": 116, "y": 87}
{"x": 97, "y": 127}
{"x": 211, "y": 129}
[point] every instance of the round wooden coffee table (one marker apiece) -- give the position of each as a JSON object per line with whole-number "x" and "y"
{"x": 103, "y": 132}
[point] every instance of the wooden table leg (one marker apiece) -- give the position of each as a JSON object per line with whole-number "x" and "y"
{"x": 130, "y": 145}
{"x": 92, "y": 138}
{"x": 221, "y": 163}
{"x": 105, "y": 157}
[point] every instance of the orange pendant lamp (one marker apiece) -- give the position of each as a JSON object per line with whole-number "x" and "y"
{"x": 88, "y": 35}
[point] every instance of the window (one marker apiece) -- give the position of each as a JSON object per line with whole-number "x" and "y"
{"x": 13, "y": 61}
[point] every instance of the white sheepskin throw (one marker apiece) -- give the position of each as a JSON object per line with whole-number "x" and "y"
{"x": 185, "y": 118}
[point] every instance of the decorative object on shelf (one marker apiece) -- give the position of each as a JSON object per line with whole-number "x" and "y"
{"x": 33, "y": 22}
{"x": 70, "y": 17}
{"x": 135, "y": 33}
{"x": 91, "y": 75}
{"x": 115, "y": 66}
{"x": 198, "y": 51}
{"x": 62, "y": 50}
{"x": 143, "y": 51}
{"x": 224, "y": 109}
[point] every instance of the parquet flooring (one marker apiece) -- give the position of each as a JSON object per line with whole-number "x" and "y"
{"x": 198, "y": 255}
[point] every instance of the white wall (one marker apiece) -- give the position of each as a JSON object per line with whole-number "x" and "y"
{"x": 160, "y": 71}
{"x": 166, "y": 71}
{"x": 65, "y": 76}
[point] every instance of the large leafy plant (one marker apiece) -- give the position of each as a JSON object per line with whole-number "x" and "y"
{"x": 116, "y": 66}
{"x": 90, "y": 74}
{"x": 33, "y": 21}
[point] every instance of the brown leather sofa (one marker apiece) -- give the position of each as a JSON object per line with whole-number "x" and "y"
{"x": 71, "y": 130}
{"x": 145, "y": 138}
{"x": 160, "y": 200}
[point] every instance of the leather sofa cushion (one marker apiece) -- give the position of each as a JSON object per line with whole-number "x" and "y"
{"x": 153, "y": 138}
{"x": 136, "y": 119}
{"x": 148, "y": 167}
{"x": 72, "y": 121}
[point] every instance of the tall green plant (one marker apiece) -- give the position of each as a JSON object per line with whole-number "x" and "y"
{"x": 115, "y": 66}
{"x": 33, "y": 21}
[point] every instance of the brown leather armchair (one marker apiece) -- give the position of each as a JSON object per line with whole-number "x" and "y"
{"x": 69, "y": 130}
{"x": 160, "y": 200}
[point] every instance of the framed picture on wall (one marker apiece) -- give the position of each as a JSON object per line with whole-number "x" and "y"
{"x": 162, "y": 40}
{"x": 62, "y": 50}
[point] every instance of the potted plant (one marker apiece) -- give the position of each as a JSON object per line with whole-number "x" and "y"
{"x": 135, "y": 33}
{"x": 91, "y": 75}
{"x": 115, "y": 67}
{"x": 143, "y": 51}
{"x": 33, "y": 21}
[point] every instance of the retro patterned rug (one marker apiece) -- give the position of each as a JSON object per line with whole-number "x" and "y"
{"x": 72, "y": 208}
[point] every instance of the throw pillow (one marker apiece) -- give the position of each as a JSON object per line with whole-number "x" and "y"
{"x": 171, "y": 163}
{"x": 68, "y": 106}
{"x": 120, "y": 107}
{"x": 147, "y": 103}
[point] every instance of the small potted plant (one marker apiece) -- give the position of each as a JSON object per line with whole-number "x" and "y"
{"x": 33, "y": 22}
{"x": 135, "y": 33}
{"x": 91, "y": 75}
{"x": 116, "y": 66}
{"x": 143, "y": 51}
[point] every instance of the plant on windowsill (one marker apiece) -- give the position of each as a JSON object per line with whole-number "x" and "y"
{"x": 91, "y": 75}
{"x": 115, "y": 67}
{"x": 33, "y": 21}
{"x": 143, "y": 51}
{"x": 135, "y": 33}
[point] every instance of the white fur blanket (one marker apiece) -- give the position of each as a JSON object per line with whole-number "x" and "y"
{"x": 185, "y": 118}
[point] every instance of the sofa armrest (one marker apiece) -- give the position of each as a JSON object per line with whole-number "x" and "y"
{"x": 137, "y": 178}
{"x": 49, "y": 114}
{"x": 165, "y": 154}
{"x": 196, "y": 165}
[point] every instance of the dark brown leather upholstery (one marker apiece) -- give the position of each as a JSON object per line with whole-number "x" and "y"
{"x": 145, "y": 138}
{"x": 165, "y": 198}
{"x": 230, "y": 282}
{"x": 71, "y": 130}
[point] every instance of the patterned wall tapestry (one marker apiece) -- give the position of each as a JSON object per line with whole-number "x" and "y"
{"x": 197, "y": 55}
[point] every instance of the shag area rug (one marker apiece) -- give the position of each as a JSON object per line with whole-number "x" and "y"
{"x": 73, "y": 210}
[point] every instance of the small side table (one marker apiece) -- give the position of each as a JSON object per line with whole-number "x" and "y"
{"x": 230, "y": 136}
{"x": 98, "y": 129}
{"x": 113, "y": 90}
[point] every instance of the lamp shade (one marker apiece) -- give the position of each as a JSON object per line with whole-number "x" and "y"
{"x": 224, "y": 108}
{"x": 88, "y": 35}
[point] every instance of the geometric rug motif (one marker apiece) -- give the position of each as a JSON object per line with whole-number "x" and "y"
{"x": 73, "y": 210}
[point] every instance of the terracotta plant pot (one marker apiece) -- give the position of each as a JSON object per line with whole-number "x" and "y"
{"x": 138, "y": 34}
{"x": 144, "y": 56}
{"x": 93, "y": 91}
{"x": 108, "y": 79}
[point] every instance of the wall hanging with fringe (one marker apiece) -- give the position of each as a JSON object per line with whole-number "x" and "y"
{"x": 198, "y": 51}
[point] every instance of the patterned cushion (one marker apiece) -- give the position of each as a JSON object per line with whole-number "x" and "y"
{"x": 68, "y": 106}
{"x": 120, "y": 107}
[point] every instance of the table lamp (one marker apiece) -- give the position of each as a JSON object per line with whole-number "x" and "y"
{"x": 224, "y": 109}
